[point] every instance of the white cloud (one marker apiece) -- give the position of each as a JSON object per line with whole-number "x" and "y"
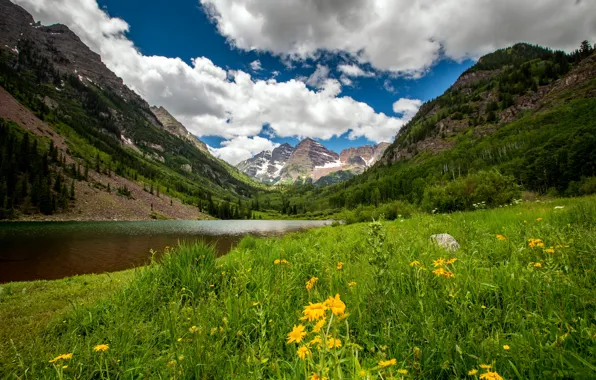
{"x": 402, "y": 36}
{"x": 210, "y": 100}
{"x": 319, "y": 76}
{"x": 388, "y": 86}
{"x": 241, "y": 148}
{"x": 407, "y": 108}
{"x": 345, "y": 81}
{"x": 352, "y": 70}
{"x": 256, "y": 65}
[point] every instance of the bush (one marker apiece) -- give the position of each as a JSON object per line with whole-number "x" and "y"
{"x": 485, "y": 187}
{"x": 389, "y": 211}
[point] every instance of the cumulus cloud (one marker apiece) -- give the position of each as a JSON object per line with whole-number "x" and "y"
{"x": 401, "y": 36}
{"x": 210, "y": 100}
{"x": 318, "y": 77}
{"x": 352, "y": 70}
{"x": 407, "y": 107}
{"x": 241, "y": 148}
{"x": 256, "y": 65}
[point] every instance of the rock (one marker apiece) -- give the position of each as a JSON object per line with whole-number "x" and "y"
{"x": 446, "y": 242}
{"x": 51, "y": 103}
{"x": 186, "y": 168}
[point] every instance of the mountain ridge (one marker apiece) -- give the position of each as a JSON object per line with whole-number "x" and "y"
{"x": 310, "y": 161}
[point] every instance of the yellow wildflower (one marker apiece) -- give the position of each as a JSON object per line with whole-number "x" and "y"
{"x": 336, "y": 305}
{"x": 472, "y": 372}
{"x": 320, "y": 324}
{"x": 303, "y": 352}
{"x": 179, "y": 339}
{"x": 193, "y": 329}
{"x": 439, "y": 262}
{"x": 316, "y": 340}
{"x": 311, "y": 283}
{"x": 387, "y": 363}
{"x": 490, "y": 376}
{"x": 501, "y": 237}
{"x": 402, "y": 371}
{"x": 415, "y": 263}
{"x": 444, "y": 273}
{"x": 362, "y": 373}
{"x": 484, "y": 307}
{"x": 101, "y": 348}
{"x": 486, "y": 366}
{"x": 314, "y": 312}
{"x": 61, "y": 357}
{"x": 352, "y": 284}
{"x": 277, "y": 262}
{"x": 549, "y": 250}
{"x": 284, "y": 261}
{"x": 314, "y": 377}
{"x": 172, "y": 363}
{"x": 297, "y": 334}
{"x": 535, "y": 243}
{"x": 539, "y": 219}
{"x": 506, "y": 347}
{"x": 340, "y": 265}
{"x": 451, "y": 261}
{"x": 538, "y": 265}
{"x": 333, "y": 342}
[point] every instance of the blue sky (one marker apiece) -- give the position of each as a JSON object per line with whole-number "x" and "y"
{"x": 182, "y": 29}
{"x": 344, "y": 72}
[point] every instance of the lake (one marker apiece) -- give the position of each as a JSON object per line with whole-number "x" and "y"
{"x": 52, "y": 250}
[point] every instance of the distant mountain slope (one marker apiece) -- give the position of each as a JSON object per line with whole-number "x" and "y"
{"x": 106, "y": 125}
{"x": 526, "y": 112}
{"x": 310, "y": 161}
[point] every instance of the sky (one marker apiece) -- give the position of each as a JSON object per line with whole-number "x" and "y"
{"x": 248, "y": 75}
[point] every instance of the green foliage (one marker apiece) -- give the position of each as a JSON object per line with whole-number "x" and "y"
{"x": 31, "y": 177}
{"x": 490, "y": 188}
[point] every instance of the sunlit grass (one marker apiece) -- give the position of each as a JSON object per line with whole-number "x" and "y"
{"x": 524, "y": 309}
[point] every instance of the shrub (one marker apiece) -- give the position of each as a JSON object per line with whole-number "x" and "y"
{"x": 488, "y": 187}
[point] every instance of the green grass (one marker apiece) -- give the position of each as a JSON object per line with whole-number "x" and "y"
{"x": 242, "y": 306}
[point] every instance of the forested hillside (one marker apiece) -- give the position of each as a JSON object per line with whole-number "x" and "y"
{"x": 107, "y": 128}
{"x": 522, "y": 118}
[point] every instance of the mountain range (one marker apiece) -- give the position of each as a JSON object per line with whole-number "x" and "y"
{"x": 310, "y": 161}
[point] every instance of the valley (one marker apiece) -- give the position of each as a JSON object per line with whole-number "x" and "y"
{"x": 156, "y": 223}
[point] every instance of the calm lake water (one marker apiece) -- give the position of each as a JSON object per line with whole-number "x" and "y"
{"x": 52, "y": 250}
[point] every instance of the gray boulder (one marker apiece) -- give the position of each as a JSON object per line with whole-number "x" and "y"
{"x": 446, "y": 242}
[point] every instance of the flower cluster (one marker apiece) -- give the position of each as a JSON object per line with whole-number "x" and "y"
{"x": 325, "y": 321}
{"x": 340, "y": 265}
{"x": 501, "y": 237}
{"x": 311, "y": 283}
{"x": 441, "y": 270}
{"x": 61, "y": 357}
{"x": 282, "y": 261}
{"x": 532, "y": 243}
{"x": 488, "y": 375}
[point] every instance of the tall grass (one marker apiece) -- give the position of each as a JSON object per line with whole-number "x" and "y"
{"x": 194, "y": 316}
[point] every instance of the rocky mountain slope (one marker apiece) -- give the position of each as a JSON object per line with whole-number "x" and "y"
{"x": 310, "y": 161}
{"x": 176, "y": 128}
{"x": 106, "y": 127}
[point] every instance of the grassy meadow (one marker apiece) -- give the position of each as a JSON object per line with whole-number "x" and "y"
{"x": 368, "y": 300}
